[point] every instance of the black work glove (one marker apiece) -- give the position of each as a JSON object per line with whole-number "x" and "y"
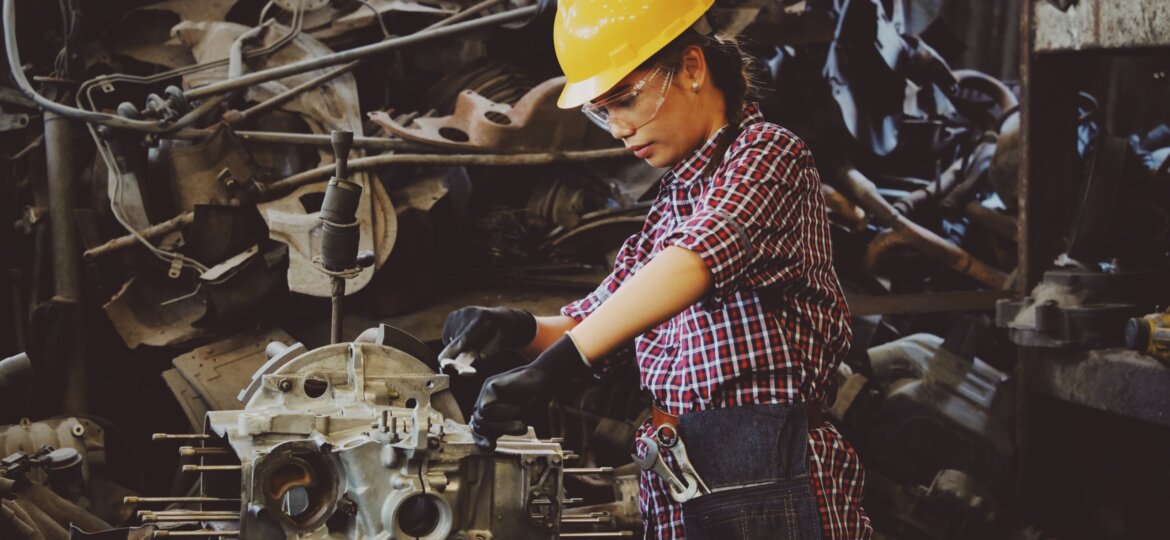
{"x": 479, "y": 332}
{"x": 506, "y": 397}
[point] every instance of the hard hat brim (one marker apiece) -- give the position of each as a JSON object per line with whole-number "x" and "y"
{"x": 577, "y": 93}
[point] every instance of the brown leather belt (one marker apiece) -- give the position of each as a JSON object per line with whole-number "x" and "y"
{"x": 814, "y": 412}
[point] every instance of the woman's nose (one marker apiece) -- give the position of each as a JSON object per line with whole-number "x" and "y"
{"x": 619, "y": 131}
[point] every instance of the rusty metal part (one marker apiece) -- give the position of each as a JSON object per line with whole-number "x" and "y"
{"x": 535, "y": 123}
{"x": 202, "y": 173}
{"x": 904, "y": 231}
{"x": 1101, "y": 24}
{"x": 157, "y": 230}
{"x": 1001, "y": 225}
{"x": 934, "y": 192}
{"x": 311, "y": 64}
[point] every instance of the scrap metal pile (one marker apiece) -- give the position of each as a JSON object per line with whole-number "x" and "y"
{"x": 169, "y": 162}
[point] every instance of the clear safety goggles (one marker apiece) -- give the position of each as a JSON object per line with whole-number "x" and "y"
{"x": 633, "y": 107}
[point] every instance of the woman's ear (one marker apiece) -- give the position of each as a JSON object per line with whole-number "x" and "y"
{"x": 693, "y": 68}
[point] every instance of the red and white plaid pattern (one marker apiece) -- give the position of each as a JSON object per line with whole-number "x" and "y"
{"x": 775, "y": 327}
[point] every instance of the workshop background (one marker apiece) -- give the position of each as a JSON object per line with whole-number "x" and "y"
{"x": 997, "y": 174}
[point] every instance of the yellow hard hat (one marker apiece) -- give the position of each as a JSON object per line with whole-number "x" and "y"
{"x": 598, "y": 42}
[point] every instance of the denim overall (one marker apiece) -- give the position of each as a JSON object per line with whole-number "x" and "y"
{"x": 754, "y": 459}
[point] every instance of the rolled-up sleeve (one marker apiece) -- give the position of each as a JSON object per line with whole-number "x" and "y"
{"x": 749, "y": 214}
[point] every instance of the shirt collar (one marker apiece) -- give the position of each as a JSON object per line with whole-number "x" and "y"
{"x": 693, "y": 165}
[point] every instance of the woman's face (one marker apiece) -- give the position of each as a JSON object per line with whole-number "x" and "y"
{"x": 668, "y": 119}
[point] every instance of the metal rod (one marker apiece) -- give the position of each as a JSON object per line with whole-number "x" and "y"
{"x": 342, "y": 57}
{"x": 588, "y": 470}
{"x": 234, "y": 118}
{"x": 175, "y": 436}
{"x": 174, "y": 519}
{"x": 168, "y": 534}
{"x": 464, "y": 14}
{"x": 573, "y": 519}
{"x": 62, "y": 173}
{"x": 187, "y": 451}
{"x": 154, "y": 231}
{"x": 612, "y": 534}
{"x": 453, "y": 160}
{"x": 277, "y": 189}
{"x": 212, "y": 468}
{"x": 168, "y": 500}
{"x": 310, "y": 139}
{"x": 338, "y": 296}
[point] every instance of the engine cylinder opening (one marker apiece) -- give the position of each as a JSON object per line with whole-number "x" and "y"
{"x": 418, "y": 516}
{"x": 300, "y": 488}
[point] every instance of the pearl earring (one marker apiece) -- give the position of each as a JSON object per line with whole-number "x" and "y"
{"x": 695, "y": 86}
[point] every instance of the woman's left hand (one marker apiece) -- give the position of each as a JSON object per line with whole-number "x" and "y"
{"x": 506, "y": 397}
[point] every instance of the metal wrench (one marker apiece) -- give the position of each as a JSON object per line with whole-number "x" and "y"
{"x": 667, "y": 435}
{"x": 653, "y": 461}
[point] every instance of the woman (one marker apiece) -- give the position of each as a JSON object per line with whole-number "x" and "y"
{"x": 728, "y": 291}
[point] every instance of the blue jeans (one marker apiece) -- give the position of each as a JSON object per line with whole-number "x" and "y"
{"x": 754, "y": 459}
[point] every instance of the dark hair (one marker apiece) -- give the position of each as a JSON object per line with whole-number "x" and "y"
{"x": 733, "y": 71}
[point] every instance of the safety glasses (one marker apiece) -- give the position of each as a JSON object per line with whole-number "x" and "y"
{"x": 632, "y": 107}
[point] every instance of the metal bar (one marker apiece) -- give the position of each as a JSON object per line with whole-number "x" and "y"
{"x": 176, "y": 519}
{"x": 234, "y": 118}
{"x": 62, "y": 180}
{"x": 154, "y": 231}
{"x": 170, "y": 534}
{"x": 588, "y": 470}
{"x": 309, "y": 139}
{"x": 212, "y": 468}
{"x": 174, "y": 436}
{"x": 168, "y": 500}
{"x": 453, "y": 160}
{"x": 188, "y": 451}
{"x": 342, "y": 57}
{"x": 338, "y": 296}
{"x": 613, "y": 534}
{"x": 464, "y": 14}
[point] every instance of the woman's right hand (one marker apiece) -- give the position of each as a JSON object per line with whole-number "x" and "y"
{"x": 473, "y": 333}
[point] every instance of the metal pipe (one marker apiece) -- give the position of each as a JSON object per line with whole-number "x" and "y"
{"x": 169, "y": 500}
{"x": 1002, "y": 225}
{"x": 188, "y": 451}
{"x": 204, "y": 534}
{"x": 310, "y": 64}
{"x": 449, "y": 160}
{"x": 62, "y": 182}
{"x": 149, "y": 233}
{"x": 178, "y": 436}
{"x": 336, "y": 318}
{"x": 588, "y": 470}
{"x": 472, "y": 10}
{"x": 234, "y": 117}
{"x": 310, "y": 139}
{"x": 908, "y": 232}
{"x": 14, "y": 371}
{"x": 212, "y": 468}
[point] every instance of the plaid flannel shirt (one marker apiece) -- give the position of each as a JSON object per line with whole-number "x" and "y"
{"x": 775, "y": 326}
